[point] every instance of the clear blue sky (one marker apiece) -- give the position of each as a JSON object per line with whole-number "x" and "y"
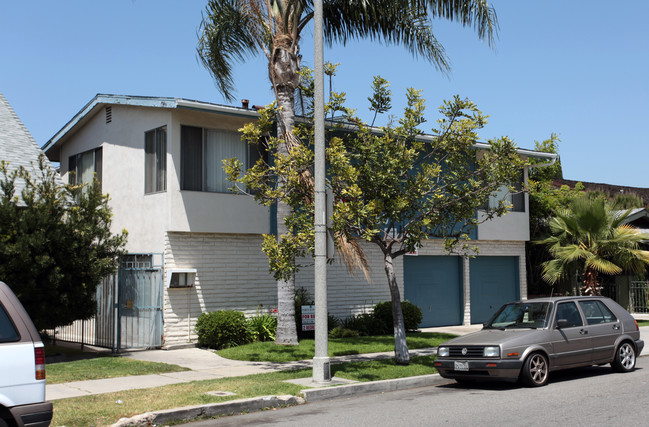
{"x": 579, "y": 68}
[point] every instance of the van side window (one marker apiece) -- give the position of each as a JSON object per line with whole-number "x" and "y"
{"x": 8, "y": 332}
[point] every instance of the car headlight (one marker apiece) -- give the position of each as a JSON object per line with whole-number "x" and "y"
{"x": 492, "y": 351}
{"x": 442, "y": 352}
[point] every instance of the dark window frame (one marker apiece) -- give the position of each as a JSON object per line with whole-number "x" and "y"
{"x": 155, "y": 160}
{"x": 97, "y": 160}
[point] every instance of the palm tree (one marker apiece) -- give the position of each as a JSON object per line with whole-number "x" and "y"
{"x": 233, "y": 29}
{"x": 592, "y": 239}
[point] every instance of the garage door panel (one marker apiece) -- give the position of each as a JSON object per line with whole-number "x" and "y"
{"x": 433, "y": 283}
{"x": 494, "y": 282}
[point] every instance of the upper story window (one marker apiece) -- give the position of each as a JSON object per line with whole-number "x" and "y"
{"x": 202, "y": 152}
{"x": 83, "y": 167}
{"x": 515, "y": 199}
{"x": 155, "y": 162}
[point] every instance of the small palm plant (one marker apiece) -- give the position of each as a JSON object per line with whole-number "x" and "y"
{"x": 591, "y": 238}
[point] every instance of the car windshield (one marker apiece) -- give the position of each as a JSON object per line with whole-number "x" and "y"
{"x": 523, "y": 315}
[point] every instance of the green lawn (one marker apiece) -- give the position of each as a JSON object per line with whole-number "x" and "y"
{"x": 643, "y": 322}
{"x": 268, "y": 351}
{"x": 104, "y": 409}
{"x": 104, "y": 367}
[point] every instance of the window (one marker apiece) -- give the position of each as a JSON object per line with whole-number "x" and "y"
{"x": 596, "y": 312}
{"x": 202, "y": 152}
{"x": 84, "y": 167}
{"x": 568, "y": 311}
{"x": 515, "y": 199}
{"x": 155, "y": 168}
{"x": 8, "y": 332}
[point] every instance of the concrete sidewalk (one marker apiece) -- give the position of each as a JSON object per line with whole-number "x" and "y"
{"x": 207, "y": 365}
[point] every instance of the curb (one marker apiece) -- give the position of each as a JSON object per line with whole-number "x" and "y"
{"x": 253, "y": 404}
{"x": 189, "y": 413}
{"x": 323, "y": 393}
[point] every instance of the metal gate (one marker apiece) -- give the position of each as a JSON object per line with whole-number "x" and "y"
{"x": 639, "y": 297}
{"x": 139, "y": 303}
{"x": 129, "y": 308}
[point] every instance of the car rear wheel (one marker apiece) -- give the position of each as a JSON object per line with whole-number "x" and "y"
{"x": 535, "y": 370}
{"x": 624, "y": 358}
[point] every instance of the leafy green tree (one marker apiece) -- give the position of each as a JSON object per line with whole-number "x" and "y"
{"x": 55, "y": 244}
{"x": 234, "y": 29}
{"x": 591, "y": 239}
{"x": 393, "y": 187}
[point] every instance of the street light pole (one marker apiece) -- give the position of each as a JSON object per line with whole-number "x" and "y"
{"x": 321, "y": 367}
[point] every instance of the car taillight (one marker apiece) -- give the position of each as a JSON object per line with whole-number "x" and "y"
{"x": 637, "y": 328}
{"x": 39, "y": 357}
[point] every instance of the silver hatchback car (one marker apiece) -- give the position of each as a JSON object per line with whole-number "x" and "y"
{"x": 526, "y": 340}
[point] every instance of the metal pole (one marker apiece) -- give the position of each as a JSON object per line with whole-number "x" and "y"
{"x": 321, "y": 368}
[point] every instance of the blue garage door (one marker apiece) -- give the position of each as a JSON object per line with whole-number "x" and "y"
{"x": 494, "y": 281}
{"x": 433, "y": 283}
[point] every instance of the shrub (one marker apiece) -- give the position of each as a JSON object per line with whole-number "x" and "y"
{"x": 222, "y": 329}
{"x": 263, "y": 327}
{"x": 339, "y": 332}
{"x": 365, "y": 324}
{"x": 412, "y": 316}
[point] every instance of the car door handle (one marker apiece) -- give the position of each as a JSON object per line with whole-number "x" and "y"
{"x": 583, "y": 331}
{"x": 616, "y": 327}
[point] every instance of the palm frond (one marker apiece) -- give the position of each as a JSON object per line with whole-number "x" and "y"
{"x": 229, "y": 32}
{"x": 476, "y": 13}
{"x": 396, "y": 22}
{"x": 353, "y": 256}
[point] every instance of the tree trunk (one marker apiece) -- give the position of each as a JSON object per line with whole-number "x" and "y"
{"x": 283, "y": 73}
{"x": 401, "y": 355}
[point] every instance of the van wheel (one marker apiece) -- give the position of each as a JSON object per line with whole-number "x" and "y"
{"x": 624, "y": 360}
{"x": 535, "y": 370}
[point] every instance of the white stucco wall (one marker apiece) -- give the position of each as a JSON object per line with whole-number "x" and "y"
{"x": 147, "y": 217}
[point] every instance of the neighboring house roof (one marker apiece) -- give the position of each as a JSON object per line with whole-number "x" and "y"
{"x": 610, "y": 189}
{"x": 638, "y": 218}
{"x": 17, "y": 146}
{"x": 102, "y": 100}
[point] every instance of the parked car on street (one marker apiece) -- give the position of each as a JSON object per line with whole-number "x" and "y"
{"x": 22, "y": 367}
{"x": 526, "y": 340}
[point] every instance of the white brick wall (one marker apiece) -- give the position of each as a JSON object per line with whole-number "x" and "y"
{"x": 232, "y": 274}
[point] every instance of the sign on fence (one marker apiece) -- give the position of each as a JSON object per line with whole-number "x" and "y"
{"x": 308, "y": 318}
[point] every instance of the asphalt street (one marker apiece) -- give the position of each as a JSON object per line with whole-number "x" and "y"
{"x": 582, "y": 397}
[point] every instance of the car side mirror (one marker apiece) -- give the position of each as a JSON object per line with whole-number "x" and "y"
{"x": 562, "y": 323}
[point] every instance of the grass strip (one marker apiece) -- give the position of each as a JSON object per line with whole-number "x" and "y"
{"x": 104, "y": 367}
{"x": 268, "y": 351}
{"x": 106, "y": 409}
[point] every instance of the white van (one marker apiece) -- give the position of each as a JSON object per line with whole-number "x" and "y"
{"x": 22, "y": 367}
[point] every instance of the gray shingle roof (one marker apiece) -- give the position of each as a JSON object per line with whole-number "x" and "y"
{"x": 17, "y": 146}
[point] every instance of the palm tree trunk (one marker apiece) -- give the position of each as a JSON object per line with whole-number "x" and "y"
{"x": 285, "y": 92}
{"x": 401, "y": 355}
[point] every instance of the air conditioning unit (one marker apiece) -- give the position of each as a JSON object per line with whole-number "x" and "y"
{"x": 181, "y": 277}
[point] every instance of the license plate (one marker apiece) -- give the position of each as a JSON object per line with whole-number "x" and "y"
{"x": 461, "y": 365}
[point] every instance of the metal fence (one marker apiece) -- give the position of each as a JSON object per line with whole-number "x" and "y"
{"x": 100, "y": 330}
{"x": 129, "y": 309}
{"x": 639, "y": 297}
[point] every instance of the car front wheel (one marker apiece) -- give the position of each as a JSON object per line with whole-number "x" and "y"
{"x": 535, "y": 370}
{"x": 624, "y": 358}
